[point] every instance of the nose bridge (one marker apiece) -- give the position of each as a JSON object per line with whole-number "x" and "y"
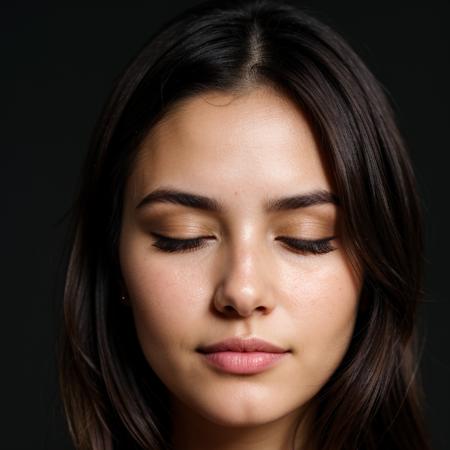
{"x": 244, "y": 279}
{"x": 244, "y": 269}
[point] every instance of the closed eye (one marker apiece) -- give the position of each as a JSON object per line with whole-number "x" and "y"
{"x": 175, "y": 245}
{"x": 302, "y": 246}
{"x": 305, "y": 246}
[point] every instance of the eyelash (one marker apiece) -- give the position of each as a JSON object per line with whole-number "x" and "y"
{"x": 302, "y": 246}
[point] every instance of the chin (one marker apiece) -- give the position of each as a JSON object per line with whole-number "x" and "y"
{"x": 241, "y": 408}
{"x": 238, "y": 418}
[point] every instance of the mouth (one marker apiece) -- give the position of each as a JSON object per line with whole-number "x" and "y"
{"x": 242, "y": 356}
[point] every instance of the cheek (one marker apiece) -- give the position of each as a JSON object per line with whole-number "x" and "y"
{"x": 166, "y": 302}
{"x": 324, "y": 311}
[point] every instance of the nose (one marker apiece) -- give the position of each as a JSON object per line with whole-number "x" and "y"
{"x": 244, "y": 288}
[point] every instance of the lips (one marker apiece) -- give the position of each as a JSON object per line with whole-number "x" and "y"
{"x": 242, "y": 345}
{"x": 242, "y": 356}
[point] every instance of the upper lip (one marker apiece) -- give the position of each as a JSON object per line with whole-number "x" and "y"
{"x": 235, "y": 344}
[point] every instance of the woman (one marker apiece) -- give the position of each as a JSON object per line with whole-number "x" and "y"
{"x": 247, "y": 247}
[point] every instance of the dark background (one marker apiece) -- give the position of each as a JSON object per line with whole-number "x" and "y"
{"x": 57, "y": 68}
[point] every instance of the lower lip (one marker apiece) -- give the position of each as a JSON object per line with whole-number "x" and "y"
{"x": 243, "y": 362}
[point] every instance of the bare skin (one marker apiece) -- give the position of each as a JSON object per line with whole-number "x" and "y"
{"x": 244, "y": 280}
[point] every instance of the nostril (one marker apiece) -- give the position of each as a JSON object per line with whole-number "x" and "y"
{"x": 263, "y": 310}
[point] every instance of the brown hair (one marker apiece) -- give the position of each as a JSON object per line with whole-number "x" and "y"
{"x": 112, "y": 398}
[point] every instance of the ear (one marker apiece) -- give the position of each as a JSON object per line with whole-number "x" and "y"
{"x": 121, "y": 287}
{"x": 123, "y": 293}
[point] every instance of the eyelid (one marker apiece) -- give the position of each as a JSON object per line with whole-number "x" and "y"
{"x": 295, "y": 239}
{"x": 178, "y": 245}
{"x": 315, "y": 246}
{"x": 194, "y": 238}
{"x": 297, "y": 245}
{"x": 180, "y": 239}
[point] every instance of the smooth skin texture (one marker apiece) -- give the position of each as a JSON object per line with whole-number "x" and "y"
{"x": 241, "y": 150}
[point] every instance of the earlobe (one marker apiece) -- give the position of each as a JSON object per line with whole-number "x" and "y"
{"x": 123, "y": 292}
{"x": 124, "y": 300}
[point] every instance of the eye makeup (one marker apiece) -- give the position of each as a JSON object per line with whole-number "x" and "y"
{"x": 167, "y": 228}
{"x": 302, "y": 246}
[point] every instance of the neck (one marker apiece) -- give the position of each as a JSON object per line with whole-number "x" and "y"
{"x": 193, "y": 432}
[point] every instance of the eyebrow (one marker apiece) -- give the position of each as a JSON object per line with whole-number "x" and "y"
{"x": 191, "y": 200}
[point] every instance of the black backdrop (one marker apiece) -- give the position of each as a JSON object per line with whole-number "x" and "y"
{"x": 57, "y": 67}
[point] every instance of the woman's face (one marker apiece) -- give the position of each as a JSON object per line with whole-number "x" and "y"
{"x": 252, "y": 276}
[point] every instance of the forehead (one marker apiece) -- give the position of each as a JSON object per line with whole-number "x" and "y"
{"x": 222, "y": 141}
